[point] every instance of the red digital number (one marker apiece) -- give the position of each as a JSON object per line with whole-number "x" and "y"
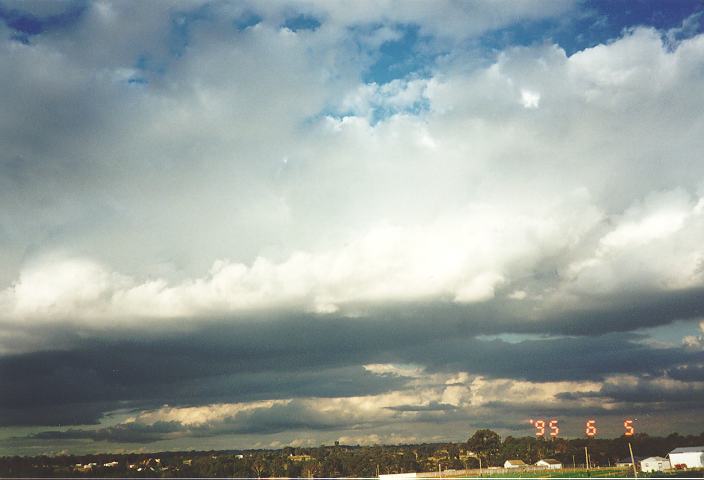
{"x": 628, "y": 425}
{"x": 591, "y": 428}
{"x": 539, "y": 428}
{"x": 554, "y": 428}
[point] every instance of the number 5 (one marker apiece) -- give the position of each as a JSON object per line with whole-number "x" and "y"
{"x": 554, "y": 428}
{"x": 628, "y": 424}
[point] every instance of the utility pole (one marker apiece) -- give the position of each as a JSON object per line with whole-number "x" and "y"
{"x": 440, "y": 469}
{"x": 586, "y": 457}
{"x": 574, "y": 464}
{"x": 480, "y": 463}
{"x": 633, "y": 461}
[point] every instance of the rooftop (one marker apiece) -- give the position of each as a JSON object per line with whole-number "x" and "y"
{"x": 687, "y": 450}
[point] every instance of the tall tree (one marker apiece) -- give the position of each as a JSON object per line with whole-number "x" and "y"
{"x": 485, "y": 443}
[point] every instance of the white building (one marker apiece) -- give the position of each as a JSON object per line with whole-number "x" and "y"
{"x": 514, "y": 464}
{"x": 691, "y": 457}
{"x": 398, "y": 476}
{"x": 654, "y": 464}
{"x": 550, "y": 463}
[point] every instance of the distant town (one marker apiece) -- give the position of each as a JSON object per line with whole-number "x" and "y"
{"x": 484, "y": 454}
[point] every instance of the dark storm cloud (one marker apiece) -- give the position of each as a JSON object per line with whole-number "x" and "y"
{"x": 431, "y": 407}
{"x": 79, "y": 413}
{"x": 296, "y": 416}
{"x": 629, "y": 310}
{"x": 568, "y": 358}
{"x": 600, "y": 314}
{"x": 128, "y": 433}
{"x": 276, "y": 418}
{"x": 645, "y": 390}
{"x": 279, "y": 418}
{"x": 223, "y": 363}
{"x": 293, "y": 358}
{"x": 687, "y": 373}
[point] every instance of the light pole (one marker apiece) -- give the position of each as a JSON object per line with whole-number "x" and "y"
{"x": 633, "y": 461}
{"x": 480, "y": 462}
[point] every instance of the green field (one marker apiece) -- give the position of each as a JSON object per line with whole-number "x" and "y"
{"x": 603, "y": 472}
{"x": 595, "y": 473}
{"x": 606, "y": 472}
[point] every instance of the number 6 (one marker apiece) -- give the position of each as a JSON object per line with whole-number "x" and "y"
{"x": 591, "y": 428}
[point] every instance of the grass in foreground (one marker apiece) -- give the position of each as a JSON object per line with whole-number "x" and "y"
{"x": 597, "y": 473}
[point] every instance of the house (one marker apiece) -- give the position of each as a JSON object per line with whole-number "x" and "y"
{"x": 549, "y": 463}
{"x": 79, "y": 467}
{"x": 627, "y": 462}
{"x": 148, "y": 464}
{"x": 514, "y": 464}
{"x": 691, "y": 457}
{"x": 654, "y": 464}
{"x": 112, "y": 464}
{"x": 467, "y": 455}
{"x": 300, "y": 458}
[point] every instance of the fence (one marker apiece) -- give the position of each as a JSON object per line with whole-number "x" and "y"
{"x": 475, "y": 472}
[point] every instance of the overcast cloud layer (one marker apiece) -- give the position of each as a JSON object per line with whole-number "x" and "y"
{"x": 258, "y": 224}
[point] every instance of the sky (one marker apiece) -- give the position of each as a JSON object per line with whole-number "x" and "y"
{"x": 258, "y": 224}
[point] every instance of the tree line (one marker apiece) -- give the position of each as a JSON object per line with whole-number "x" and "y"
{"x": 346, "y": 460}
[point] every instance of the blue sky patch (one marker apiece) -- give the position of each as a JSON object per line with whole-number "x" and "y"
{"x": 181, "y": 23}
{"x": 601, "y": 22}
{"x": 138, "y": 81}
{"x": 402, "y": 57}
{"x": 246, "y": 20}
{"x": 302, "y": 22}
{"x": 608, "y": 19}
{"x": 27, "y": 25}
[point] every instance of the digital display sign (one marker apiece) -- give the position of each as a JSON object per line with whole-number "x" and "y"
{"x": 552, "y": 427}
